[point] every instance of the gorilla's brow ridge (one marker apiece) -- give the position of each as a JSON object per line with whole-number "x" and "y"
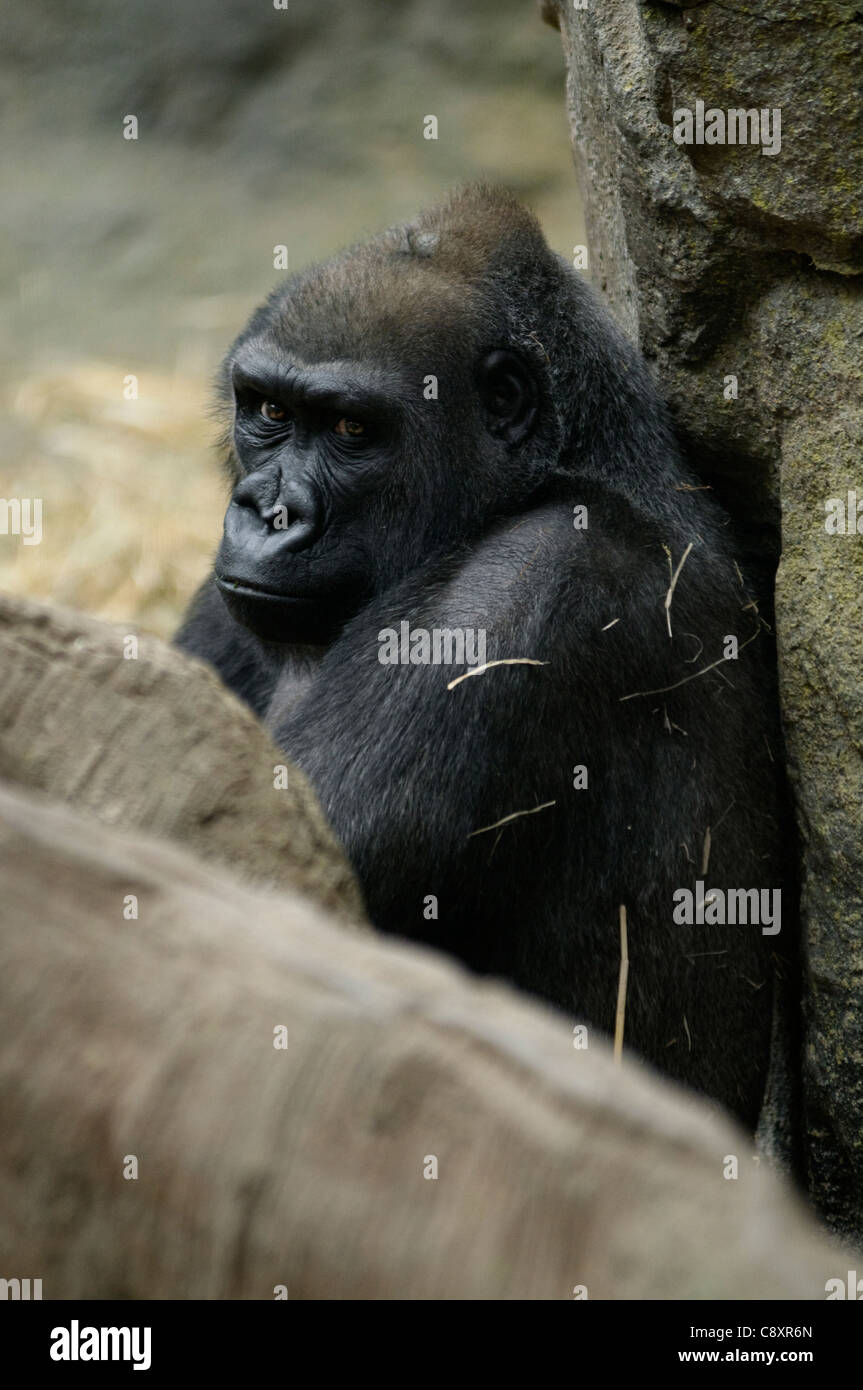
{"x": 321, "y": 383}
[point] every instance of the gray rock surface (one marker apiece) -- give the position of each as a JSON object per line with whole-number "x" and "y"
{"x": 723, "y": 261}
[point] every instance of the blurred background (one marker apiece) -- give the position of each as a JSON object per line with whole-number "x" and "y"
{"x": 257, "y": 127}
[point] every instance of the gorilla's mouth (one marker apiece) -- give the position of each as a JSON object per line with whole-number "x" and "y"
{"x": 277, "y": 616}
{"x": 244, "y": 588}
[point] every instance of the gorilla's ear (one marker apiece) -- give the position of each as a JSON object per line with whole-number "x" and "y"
{"x": 509, "y": 394}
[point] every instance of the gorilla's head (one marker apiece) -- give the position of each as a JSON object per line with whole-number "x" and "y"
{"x": 393, "y": 402}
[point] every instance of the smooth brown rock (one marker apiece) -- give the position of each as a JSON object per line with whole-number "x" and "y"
{"x": 153, "y": 1039}
{"x": 157, "y": 742}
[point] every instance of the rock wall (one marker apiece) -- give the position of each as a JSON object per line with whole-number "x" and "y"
{"x": 739, "y": 272}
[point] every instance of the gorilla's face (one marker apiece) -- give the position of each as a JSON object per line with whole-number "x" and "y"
{"x": 313, "y": 443}
{"x": 352, "y": 472}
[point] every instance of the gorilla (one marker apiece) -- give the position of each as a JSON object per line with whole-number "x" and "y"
{"x": 440, "y": 447}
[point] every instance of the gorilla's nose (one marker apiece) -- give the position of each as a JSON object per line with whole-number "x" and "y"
{"x": 290, "y": 513}
{"x": 296, "y": 525}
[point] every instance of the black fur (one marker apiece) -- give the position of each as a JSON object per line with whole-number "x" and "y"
{"x": 458, "y": 513}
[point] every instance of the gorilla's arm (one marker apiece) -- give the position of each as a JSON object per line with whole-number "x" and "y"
{"x": 409, "y": 771}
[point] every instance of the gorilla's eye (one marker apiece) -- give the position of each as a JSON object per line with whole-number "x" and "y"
{"x": 352, "y": 428}
{"x": 271, "y": 411}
